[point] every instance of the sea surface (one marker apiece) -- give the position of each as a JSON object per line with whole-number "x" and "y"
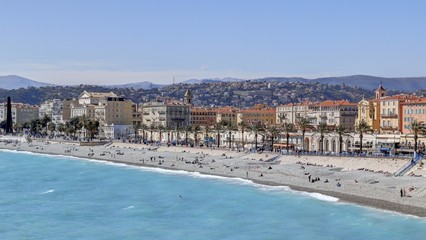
{"x": 55, "y": 197}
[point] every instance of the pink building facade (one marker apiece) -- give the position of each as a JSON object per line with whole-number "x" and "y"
{"x": 413, "y": 110}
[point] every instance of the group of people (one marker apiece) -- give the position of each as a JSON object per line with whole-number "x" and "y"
{"x": 312, "y": 180}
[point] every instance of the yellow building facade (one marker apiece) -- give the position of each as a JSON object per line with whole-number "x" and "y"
{"x": 369, "y": 110}
{"x": 259, "y": 113}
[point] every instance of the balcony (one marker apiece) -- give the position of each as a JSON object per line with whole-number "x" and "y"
{"x": 178, "y": 118}
{"x": 388, "y": 128}
{"x": 392, "y": 115}
{"x": 345, "y": 114}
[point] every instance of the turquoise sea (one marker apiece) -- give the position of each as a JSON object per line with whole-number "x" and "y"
{"x": 54, "y": 197}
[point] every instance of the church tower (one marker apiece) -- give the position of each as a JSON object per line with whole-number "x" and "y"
{"x": 187, "y": 98}
{"x": 380, "y": 92}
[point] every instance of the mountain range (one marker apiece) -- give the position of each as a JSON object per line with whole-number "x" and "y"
{"x": 15, "y": 82}
{"x": 139, "y": 85}
{"x": 407, "y": 84}
{"x": 213, "y": 80}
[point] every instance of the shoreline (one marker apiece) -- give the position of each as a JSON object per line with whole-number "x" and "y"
{"x": 381, "y": 202}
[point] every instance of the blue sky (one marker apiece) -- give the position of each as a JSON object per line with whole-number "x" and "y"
{"x": 106, "y": 42}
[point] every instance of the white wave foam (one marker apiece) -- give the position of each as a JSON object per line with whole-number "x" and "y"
{"x": 129, "y": 207}
{"x": 66, "y": 157}
{"x": 321, "y": 197}
{"x": 48, "y": 191}
{"x": 8, "y": 150}
{"x": 35, "y": 153}
{"x": 233, "y": 180}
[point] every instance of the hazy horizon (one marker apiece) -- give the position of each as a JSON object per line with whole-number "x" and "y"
{"x": 110, "y": 42}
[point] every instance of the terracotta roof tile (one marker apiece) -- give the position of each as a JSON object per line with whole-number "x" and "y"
{"x": 330, "y": 103}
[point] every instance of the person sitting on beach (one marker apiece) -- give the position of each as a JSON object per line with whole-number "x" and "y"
{"x": 261, "y": 175}
{"x": 326, "y": 181}
{"x": 338, "y": 184}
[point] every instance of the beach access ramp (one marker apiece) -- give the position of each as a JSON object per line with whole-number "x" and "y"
{"x": 407, "y": 167}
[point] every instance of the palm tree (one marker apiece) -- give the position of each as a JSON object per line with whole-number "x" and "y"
{"x": 68, "y": 128}
{"x": 196, "y": 129}
{"x": 45, "y": 120}
{"x": 168, "y": 130}
{"x": 218, "y": 127}
{"x": 206, "y": 135}
{"x": 151, "y": 130}
{"x": 417, "y": 127}
{"x": 35, "y": 126}
{"x": 243, "y": 126}
{"x": 288, "y": 128}
{"x": 178, "y": 130}
{"x": 161, "y": 129}
{"x": 186, "y": 130}
{"x": 92, "y": 128}
{"x": 136, "y": 127}
{"x": 256, "y": 128}
{"x": 230, "y": 127}
{"x": 61, "y": 127}
{"x": 322, "y": 129}
{"x": 273, "y": 131}
{"x": 52, "y": 127}
{"x": 26, "y": 125}
{"x": 144, "y": 127}
{"x": 83, "y": 122}
{"x": 303, "y": 123}
{"x": 74, "y": 124}
{"x": 362, "y": 127}
{"x": 341, "y": 131}
{"x": 3, "y": 124}
{"x": 18, "y": 127}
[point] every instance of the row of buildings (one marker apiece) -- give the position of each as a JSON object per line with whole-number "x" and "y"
{"x": 118, "y": 116}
